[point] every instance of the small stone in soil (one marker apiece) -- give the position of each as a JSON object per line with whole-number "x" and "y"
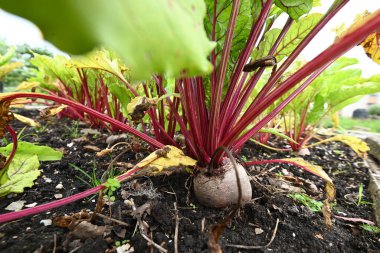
{"x": 46, "y": 222}
{"x": 16, "y": 205}
{"x": 59, "y": 186}
{"x": 58, "y": 196}
{"x": 48, "y": 180}
{"x": 31, "y": 205}
{"x": 258, "y": 231}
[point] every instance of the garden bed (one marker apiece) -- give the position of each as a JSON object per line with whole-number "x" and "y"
{"x": 169, "y": 204}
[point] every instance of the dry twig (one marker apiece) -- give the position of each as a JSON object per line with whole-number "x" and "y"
{"x": 54, "y": 243}
{"x": 176, "y": 228}
{"x": 113, "y": 220}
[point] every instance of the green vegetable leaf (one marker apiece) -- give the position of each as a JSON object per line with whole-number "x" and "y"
{"x": 43, "y": 153}
{"x": 293, "y": 37}
{"x": 295, "y": 8}
{"x": 276, "y": 132}
{"x": 100, "y": 60}
{"x": 21, "y": 173}
{"x": 152, "y": 36}
{"x": 4, "y": 59}
{"x": 108, "y": 62}
{"x": 52, "y": 68}
{"x": 247, "y": 14}
{"x": 317, "y": 111}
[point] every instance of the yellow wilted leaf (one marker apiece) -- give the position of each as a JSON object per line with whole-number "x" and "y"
{"x": 9, "y": 67}
{"x": 318, "y": 171}
{"x": 26, "y": 120}
{"x": 165, "y": 160}
{"x": 27, "y": 85}
{"x": 360, "y": 147}
{"x": 371, "y": 44}
{"x": 335, "y": 118}
{"x": 53, "y": 110}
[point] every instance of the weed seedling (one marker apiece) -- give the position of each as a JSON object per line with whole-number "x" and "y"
{"x": 73, "y": 130}
{"x": 360, "y": 196}
{"x": 370, "y": 228}
{"x": 92, "y": 180}
{"x": 312, "y": 204}
{"x": 119, "y": 243}
{"x": 111, "y": 185}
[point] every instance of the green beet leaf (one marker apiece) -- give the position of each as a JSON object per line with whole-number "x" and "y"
{"x": 295, "y": 8}
{"x": 297, "y": 32}
{"x": 43, "y": 153}
{"x": 247, "y": 14}
{"x": 21, "y": 173}
{"x": 152, "y": 36}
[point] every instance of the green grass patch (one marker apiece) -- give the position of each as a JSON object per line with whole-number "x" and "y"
{"x": 9, "y": 88}
{"x": 351, "y": 124}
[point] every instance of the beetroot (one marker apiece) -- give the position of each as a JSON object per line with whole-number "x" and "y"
{"x": 222, "y": 190}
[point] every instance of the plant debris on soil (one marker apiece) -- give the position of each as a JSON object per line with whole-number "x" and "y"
{"x": 159, "y": 214}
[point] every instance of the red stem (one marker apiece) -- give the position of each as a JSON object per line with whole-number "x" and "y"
{"x": 90, "y": 111}
{"x": 54, "y": 204}
{"x": 329, "y": 55}
{"x": 213, "y": 56}
{"x": 240, "y": 142}
{"x": 14, "y": 148}
{"x": 290, "y": 59}
{"x": 216, "y": 94}
{"x": 245, "y": 54}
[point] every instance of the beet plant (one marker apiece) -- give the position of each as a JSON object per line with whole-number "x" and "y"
{"x": 96, "y": 81}
{"x": 338, "y": 86}
{"x": 200, "y": 61}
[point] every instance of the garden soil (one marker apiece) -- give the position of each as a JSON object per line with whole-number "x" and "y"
{"x": 167, "y": 212}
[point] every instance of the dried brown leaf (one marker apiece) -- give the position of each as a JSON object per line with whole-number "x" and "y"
{"x": 85, "y": 230}
{"x": 326, "y": 211}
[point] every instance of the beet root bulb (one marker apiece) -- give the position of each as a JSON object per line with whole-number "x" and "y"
{"x": 219, "y": 191}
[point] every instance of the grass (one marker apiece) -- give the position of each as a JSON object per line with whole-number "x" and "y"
{"x": 9, "y": 88}
{"x": 372, "y": 124}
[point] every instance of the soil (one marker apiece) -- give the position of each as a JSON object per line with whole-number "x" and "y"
{"x": 169, "y": 201}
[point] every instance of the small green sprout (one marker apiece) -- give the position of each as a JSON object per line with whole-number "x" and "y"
{"x": 112, "y": 184}
{"x": 279, "y": 174}
{"x": 92, "y": 180}
{"x": 119, "y": 243}
{"x": 360, "y": 196}
{"x": 73, "y": 130}
{"x": 372, "y": 229}
{"x": 312, "y": 204}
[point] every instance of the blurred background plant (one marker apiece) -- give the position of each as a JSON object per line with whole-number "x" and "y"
{"x": 15, "y": 65}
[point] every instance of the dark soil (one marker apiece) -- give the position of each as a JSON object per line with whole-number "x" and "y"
{"x": 299, "y": 229}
